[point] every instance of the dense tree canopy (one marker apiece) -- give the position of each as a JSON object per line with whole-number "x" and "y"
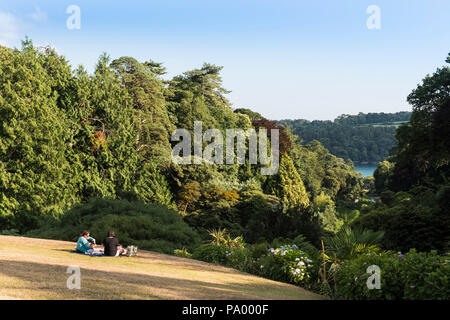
{"x": 423, "y": 150}
{"x": 361, "y": 138}
{"x": 82, "y": 151}
{"x": 68, "y": 136}
{"x": 414, "y": 184}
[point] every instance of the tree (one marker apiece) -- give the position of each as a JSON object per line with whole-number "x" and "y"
{"x": 291, "y": 189}
{"x": 189, "y": 195}
{"x": 423, "y": 151}
{"x": 251, "y": 114}
{"x": 382, "y": 175}
{"x": 269, "y": 125}
{"x": 362, "y": 138}
{"x": 150, "y": 112}
{"x": 197, "y": 95}
{"x": 38, "y": 172}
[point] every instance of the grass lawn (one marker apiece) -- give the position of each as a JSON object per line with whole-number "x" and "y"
{"x": 36, "y": 269}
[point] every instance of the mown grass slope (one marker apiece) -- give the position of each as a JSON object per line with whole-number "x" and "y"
{"x": 36, "y": 269}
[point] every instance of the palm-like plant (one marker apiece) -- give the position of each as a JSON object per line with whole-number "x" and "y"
{"x": 219, "y": 236}
{"x": 237, "y": 242}
{"x": 348, "y": 243}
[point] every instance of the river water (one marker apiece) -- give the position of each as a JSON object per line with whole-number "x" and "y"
{"x": 366, "y": 169}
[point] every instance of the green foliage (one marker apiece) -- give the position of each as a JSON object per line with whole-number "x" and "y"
{"x": 349, "y": 243}
{"x": 10, "y": 232}
{"x": 240, "y": 258}
{"x": 92, "y": 152}
{"x": 265, "y": 221}
{"x": 382, "y": 175}
{"x": 222, "y": 249}
{"x": 221, "y": 237}
{"x": 304, "y": 245}
{"x": 412, "y": 276}
{"x": 410, "y": 222}
{"x": 197, "y": 95}
{"x": 257, "y": 250}
{"x": 38, "y": 169}
{"x": 287, "y": 263}
{"x": 151, "y": 186}
{"x": 68, "y": 136}
{"x": 373, "y": 118}
{"x": 361, "y": 138}
{"x": 290, "y": 188}
{"x": 211, "y": 253}
{"x": 413, "y": 184}
{"x": 251, "y": 114}
{"x": 151, "y": 227}
{"x": 323, "y": 172}
{"x": 183, "y": 253}
{"x": 423, "y": 151}
{"x": 368, "y": 185}
{"x": 326, "y": 211}
{"x": 151, "y": 116}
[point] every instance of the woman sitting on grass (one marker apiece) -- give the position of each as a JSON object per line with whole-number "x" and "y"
{"x": 85, "y": 243}
{"x": 112, "y": 247}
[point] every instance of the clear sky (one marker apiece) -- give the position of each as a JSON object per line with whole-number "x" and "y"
{"x": 282, "y": 58}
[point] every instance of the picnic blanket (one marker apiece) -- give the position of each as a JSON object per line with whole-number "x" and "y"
{"x": 94, "y": 254}
{"x": 131, "y": 251}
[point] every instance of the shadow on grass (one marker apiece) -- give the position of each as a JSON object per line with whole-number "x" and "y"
{"x": 48, "y": 281}
{"x": 169, "y": 260}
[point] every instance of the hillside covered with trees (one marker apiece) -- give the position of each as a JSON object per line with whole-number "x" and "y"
{"x": 365, "y": 138}
{"x": 68, "y": 136}
{"x": 413, "y": 183}
{"x": 81, "y": 151}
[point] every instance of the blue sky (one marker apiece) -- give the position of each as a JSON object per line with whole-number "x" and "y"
{"x": 282, "y": 58}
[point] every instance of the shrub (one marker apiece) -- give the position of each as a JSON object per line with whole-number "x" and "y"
{"x": 412, "y": 276}
{"x": 306, "y": 246}
{"x": 240, "y": 258}
{"x": 349, "y": 243}
{"x": 221, "y": 237}
{"x": 408, "y": 225}
{"x": 10, "y": 232}
{"x": 287, "y": 264}
{"x": 183, "y": 253}
{"x": 259, "y": 249}
{"x": 315, "y": 255}
{"x": 151, "y": 227}
{"x": 211, "y": 253}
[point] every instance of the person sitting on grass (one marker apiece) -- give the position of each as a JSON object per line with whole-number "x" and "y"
{"x": 112, "y": 247}
{"x": 85, "y": 243}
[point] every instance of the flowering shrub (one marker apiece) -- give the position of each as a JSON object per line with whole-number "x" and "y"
{"x": 287, "y": 263}
{"x": 409, "y": 276}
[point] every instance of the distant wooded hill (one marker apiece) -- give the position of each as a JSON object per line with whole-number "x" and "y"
{"x": 366, "y": 137}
